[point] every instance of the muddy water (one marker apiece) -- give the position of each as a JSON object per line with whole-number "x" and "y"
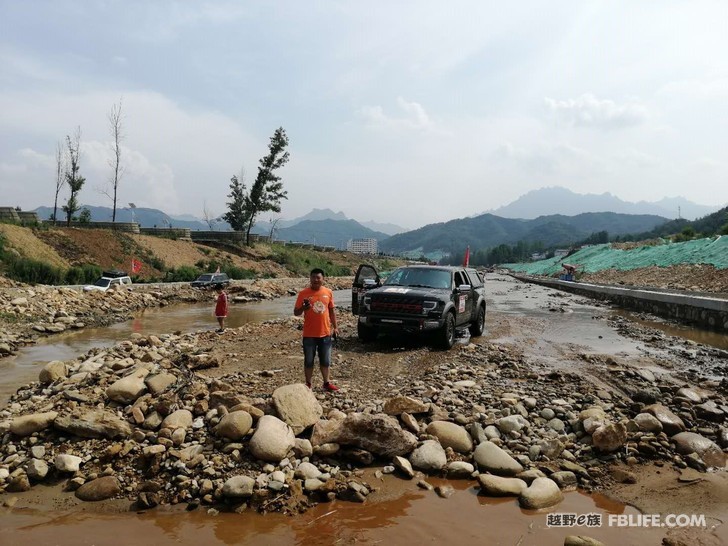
{"x": 704, "y": 337}
{"x": 406, "y": 515}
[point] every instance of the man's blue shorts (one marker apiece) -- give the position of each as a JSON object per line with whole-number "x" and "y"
{"x": 312, "y": 345}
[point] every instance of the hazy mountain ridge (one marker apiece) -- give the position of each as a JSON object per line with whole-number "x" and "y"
{"x": 558, "y": 200}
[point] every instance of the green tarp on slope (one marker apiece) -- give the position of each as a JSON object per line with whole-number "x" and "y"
{"x": 712, "y": 251}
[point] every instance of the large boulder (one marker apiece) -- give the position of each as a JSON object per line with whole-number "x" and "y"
{"x": 610, "y": 437}
{"x": 235, "y": 425}
{"x": 492, "y": 458}
{"x": 178, "y": 419}
{"x": 129, "y": 388}
{"x": 542, "y": 493}
{"x": 30, "y": 424}
{"x": 671, "y": 423}
{"x": 497, "y": 486}
{"x": 67, "y": 463}
{"x": 647, "y": 422}
{"x": 272, "y": 440}
{"x": 297, "y": 406}
{"x": 238, "y": 487}
{"x": 451, "y": 435}
{"x": 94, "y": 424}
{"x": 511, "y": 423}
{"x": 53, "y": 371}
{"x": 691, "y": 442}
{"x": 430, "y": 457}
{"x": 404, "y": 404}
{"x": 379, "y": 434}
{"x": 160, "y": 382}
{"x": 99, "y": 489}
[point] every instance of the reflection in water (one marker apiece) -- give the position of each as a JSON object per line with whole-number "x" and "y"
{"x": 413, "y": 517}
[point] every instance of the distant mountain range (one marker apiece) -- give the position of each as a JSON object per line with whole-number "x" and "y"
{"x": 488, "y": 230}
{"x": 317, "y": 215}
{"x": 557, "y": 200}
{"x": 328, "y": 232}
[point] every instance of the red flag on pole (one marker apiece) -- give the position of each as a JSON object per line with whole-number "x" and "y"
{"x": 136, "y": 266}
{"x": 466, "y": 260}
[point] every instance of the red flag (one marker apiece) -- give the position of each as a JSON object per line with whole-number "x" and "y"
{"x": 466, "y": 260}
{"x": 136, "y": 266}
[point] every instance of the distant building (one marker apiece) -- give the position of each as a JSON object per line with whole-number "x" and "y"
{"x": 536, "y": 256}
{"x": 561, "y": 252}
{"x": 362, "y": 246}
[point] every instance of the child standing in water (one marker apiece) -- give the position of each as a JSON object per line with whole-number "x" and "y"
{"x": 221, "y": 308}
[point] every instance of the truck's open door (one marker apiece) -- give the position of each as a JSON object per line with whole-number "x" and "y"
{"x": 366, "y": 278}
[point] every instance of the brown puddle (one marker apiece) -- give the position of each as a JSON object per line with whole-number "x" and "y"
{"x": 704, "y": 337}
{"x": 406, "y": 516}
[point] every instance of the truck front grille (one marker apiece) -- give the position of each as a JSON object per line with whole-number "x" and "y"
{"x": 408, "y": 306}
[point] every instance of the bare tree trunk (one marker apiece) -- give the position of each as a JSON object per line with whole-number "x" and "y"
{"x": 60, "y": 179}
{"x": 208, "y": 216}
{"x": 115, "y": 119}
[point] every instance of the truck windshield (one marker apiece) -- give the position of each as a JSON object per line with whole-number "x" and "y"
{"x": 103, "y": 283}
{"x": 204, "y": 278}
{"x": 426, "y": 278}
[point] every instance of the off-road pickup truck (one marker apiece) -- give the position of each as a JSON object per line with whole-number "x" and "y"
{"x": 426, "y": 299}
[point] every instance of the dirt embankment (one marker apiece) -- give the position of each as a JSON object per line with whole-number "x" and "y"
{"x": 25, "y": 242}
{"x": 695, "y": 278}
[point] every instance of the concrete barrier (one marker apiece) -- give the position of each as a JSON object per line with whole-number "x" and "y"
{"x": 128, "y": 227}
{"x": 227, "y": 236}
{"x": 169, "y": 233}
{"x": 704, "y": 311}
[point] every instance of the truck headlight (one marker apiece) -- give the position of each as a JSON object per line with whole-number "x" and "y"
{"x": 428, "y": 306}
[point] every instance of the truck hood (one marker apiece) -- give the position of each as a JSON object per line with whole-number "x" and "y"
{"x": 424, "y": 293}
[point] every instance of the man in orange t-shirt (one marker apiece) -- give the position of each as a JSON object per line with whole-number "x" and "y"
{"x": 316, "y": 304}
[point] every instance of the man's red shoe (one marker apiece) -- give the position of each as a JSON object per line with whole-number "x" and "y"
{"x": 330, "y": 387}
{"x": 308, "y": 385}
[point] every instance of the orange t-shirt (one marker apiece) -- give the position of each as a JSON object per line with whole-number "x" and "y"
{"x": 316, "y": 321}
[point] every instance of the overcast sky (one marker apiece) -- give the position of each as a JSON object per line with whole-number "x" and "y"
{"x": 405, "y": 112}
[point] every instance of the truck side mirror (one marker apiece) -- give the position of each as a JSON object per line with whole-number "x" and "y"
{"x": 464, "y": 288}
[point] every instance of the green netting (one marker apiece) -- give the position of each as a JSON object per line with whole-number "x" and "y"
{"x": 596, "y": 258}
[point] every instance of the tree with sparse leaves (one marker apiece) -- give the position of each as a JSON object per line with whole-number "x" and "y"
{"x": 238, "y": 212}
{"x": 267, "y": 191}
{"x": 73, "y": 178}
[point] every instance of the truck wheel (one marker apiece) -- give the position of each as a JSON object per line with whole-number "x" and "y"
{"x": 366, "y": 334}
{"x": 446, "y": 335}
{"x": 477, "y": 327}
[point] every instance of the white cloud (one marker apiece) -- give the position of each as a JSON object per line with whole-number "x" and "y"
{"x": 589, "y": 111}
{"x": 413, "y": 116}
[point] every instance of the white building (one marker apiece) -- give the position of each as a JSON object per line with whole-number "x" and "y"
{"x": 362, "y": 246}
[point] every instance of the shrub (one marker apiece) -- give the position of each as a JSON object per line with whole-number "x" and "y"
{"x": 184, "y": 273}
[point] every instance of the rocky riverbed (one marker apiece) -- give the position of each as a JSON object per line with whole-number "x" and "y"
{"x": 30, "y": 312}
{"x": 221, "y": 422}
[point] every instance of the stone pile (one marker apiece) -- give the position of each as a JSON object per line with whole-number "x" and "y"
{"x": 136, "y": 421}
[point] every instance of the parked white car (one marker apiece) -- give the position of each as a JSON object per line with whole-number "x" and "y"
{"x": 105, "y": 283}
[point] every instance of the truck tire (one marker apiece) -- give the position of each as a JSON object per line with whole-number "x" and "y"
{"x": 366, "y": 334}
{"x": 445, "y": 337}
{"x": 477, "y": 327}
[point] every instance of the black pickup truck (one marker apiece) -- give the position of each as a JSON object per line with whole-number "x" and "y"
{"x": 419, "y": 299}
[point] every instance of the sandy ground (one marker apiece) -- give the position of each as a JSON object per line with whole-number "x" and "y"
{"x": 28, "y": 245}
